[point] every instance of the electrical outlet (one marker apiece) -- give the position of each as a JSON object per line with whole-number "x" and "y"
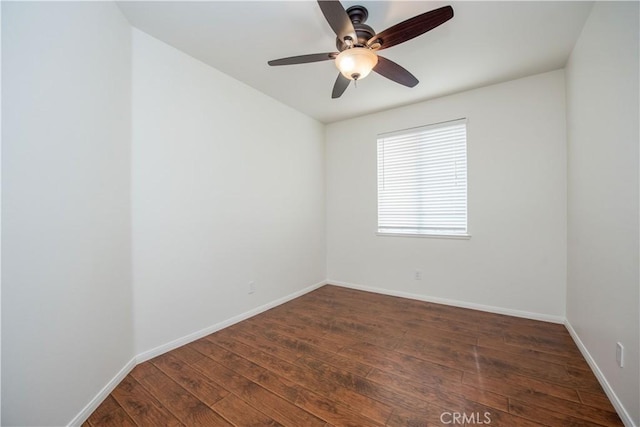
{"x": 620, "y": 354}
{"x": 417, "y": 275}
{"x": 252, "y": 287}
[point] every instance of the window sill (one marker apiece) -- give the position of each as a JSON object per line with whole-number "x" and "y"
{"x": 429, "y": 236}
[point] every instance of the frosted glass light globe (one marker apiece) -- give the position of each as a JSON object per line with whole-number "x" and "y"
{"x": 356, "y": 63}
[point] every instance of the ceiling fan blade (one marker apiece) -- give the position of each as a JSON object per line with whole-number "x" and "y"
{"x": 338, "y": 19}
{"x": 304, "y": 59}
{"x": 389, "y": 69}
{"x": 412, "y": 27}
{"x": 341, "y": 84}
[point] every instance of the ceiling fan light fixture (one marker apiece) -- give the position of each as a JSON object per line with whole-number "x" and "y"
{"x": 356, "y": 63}
{"x": 358, "y": 44}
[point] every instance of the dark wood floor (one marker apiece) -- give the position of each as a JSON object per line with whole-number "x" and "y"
{"x": 343, "y": 357}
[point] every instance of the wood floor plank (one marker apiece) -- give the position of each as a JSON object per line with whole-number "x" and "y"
{"x": 529, "y": 352}
{"x": 434, "y": 416}
{"x": 256, "y": 373}
{"x": 343, "y": 357}
{"x": 417, "y": 417}
{"x": 316, "y": 348}
{"x": 584, "y": 380}
{"x": 413, "y": 403}
{"x": 400, "y": 364}
{"x": 307, "y": 325}
{"x": 107, "y": 405}
{"x": 517, "y": 386}
{"x": 276, "y": 407}
{"x": 597, "y": 400}
{"x": 143, "y": 370}
{"x": 260, "y": 343}
{"x": 310, "y": 380}
{"x": 241, "y": 414}
{"x": 142, "y": 407}
{"x": 184, "y": 405}
{"x": 552, "y": 343}
{"x": 200, "y": 386}
{"x": 573, "y": 409}
{"x": 333, "y": 412}
{"x": 330, "y": 339}
{"x": 499, "y": 418}
{"x": 361, "y": 315}
{"x": 187, "y": 354}
{"x": 345, "y": 328}
{"x": 447, "y": 397}
{"x": 379, "y": 391}
{"x": 110, "y": 413}
{"x": 427, "y": 330}
{"x": 481, "y": 359}
{"x": 548, "y": 418}
{"x": 482, "y": 396}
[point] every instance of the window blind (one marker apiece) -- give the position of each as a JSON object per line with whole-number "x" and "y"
{"x": 422, "y": 180}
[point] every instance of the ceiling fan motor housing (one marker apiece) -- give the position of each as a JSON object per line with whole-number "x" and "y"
{"x": 358, "y": 15}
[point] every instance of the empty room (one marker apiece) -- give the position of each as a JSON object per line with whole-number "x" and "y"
{"x": 320, "y": 213}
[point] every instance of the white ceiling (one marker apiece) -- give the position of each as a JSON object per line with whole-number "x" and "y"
{"x": 484, "y": 43}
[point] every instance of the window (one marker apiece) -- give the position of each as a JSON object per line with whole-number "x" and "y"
{"x": 422, "y": 180}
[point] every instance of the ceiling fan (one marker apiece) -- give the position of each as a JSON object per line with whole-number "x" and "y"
{"x": 358, "y": 43}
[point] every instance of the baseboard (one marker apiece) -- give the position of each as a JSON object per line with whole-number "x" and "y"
{"x": 142, "y": 357}
{"x": 454, "y": 303}
{"x": 620, "y": 409}
{"x": 157, "y": 351}
{"x": 102, "y": 395}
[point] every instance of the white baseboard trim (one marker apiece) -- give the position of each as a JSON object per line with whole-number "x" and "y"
{"x": 455, "y": 303}
{"x": 150, "y": 354}
{"x": 102, "y": 394}
{"x": 157, "y": 351}
{"x": 620, "y": 409}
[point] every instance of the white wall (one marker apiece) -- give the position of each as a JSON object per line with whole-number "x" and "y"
{"x": 516, "y": 257}
{"x": 603, "y": 236}
{"x": 66, "y": 279}
{"x": 228, "y": 187}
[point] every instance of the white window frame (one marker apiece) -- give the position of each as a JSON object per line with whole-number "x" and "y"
{"x": 408, "y": 226}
